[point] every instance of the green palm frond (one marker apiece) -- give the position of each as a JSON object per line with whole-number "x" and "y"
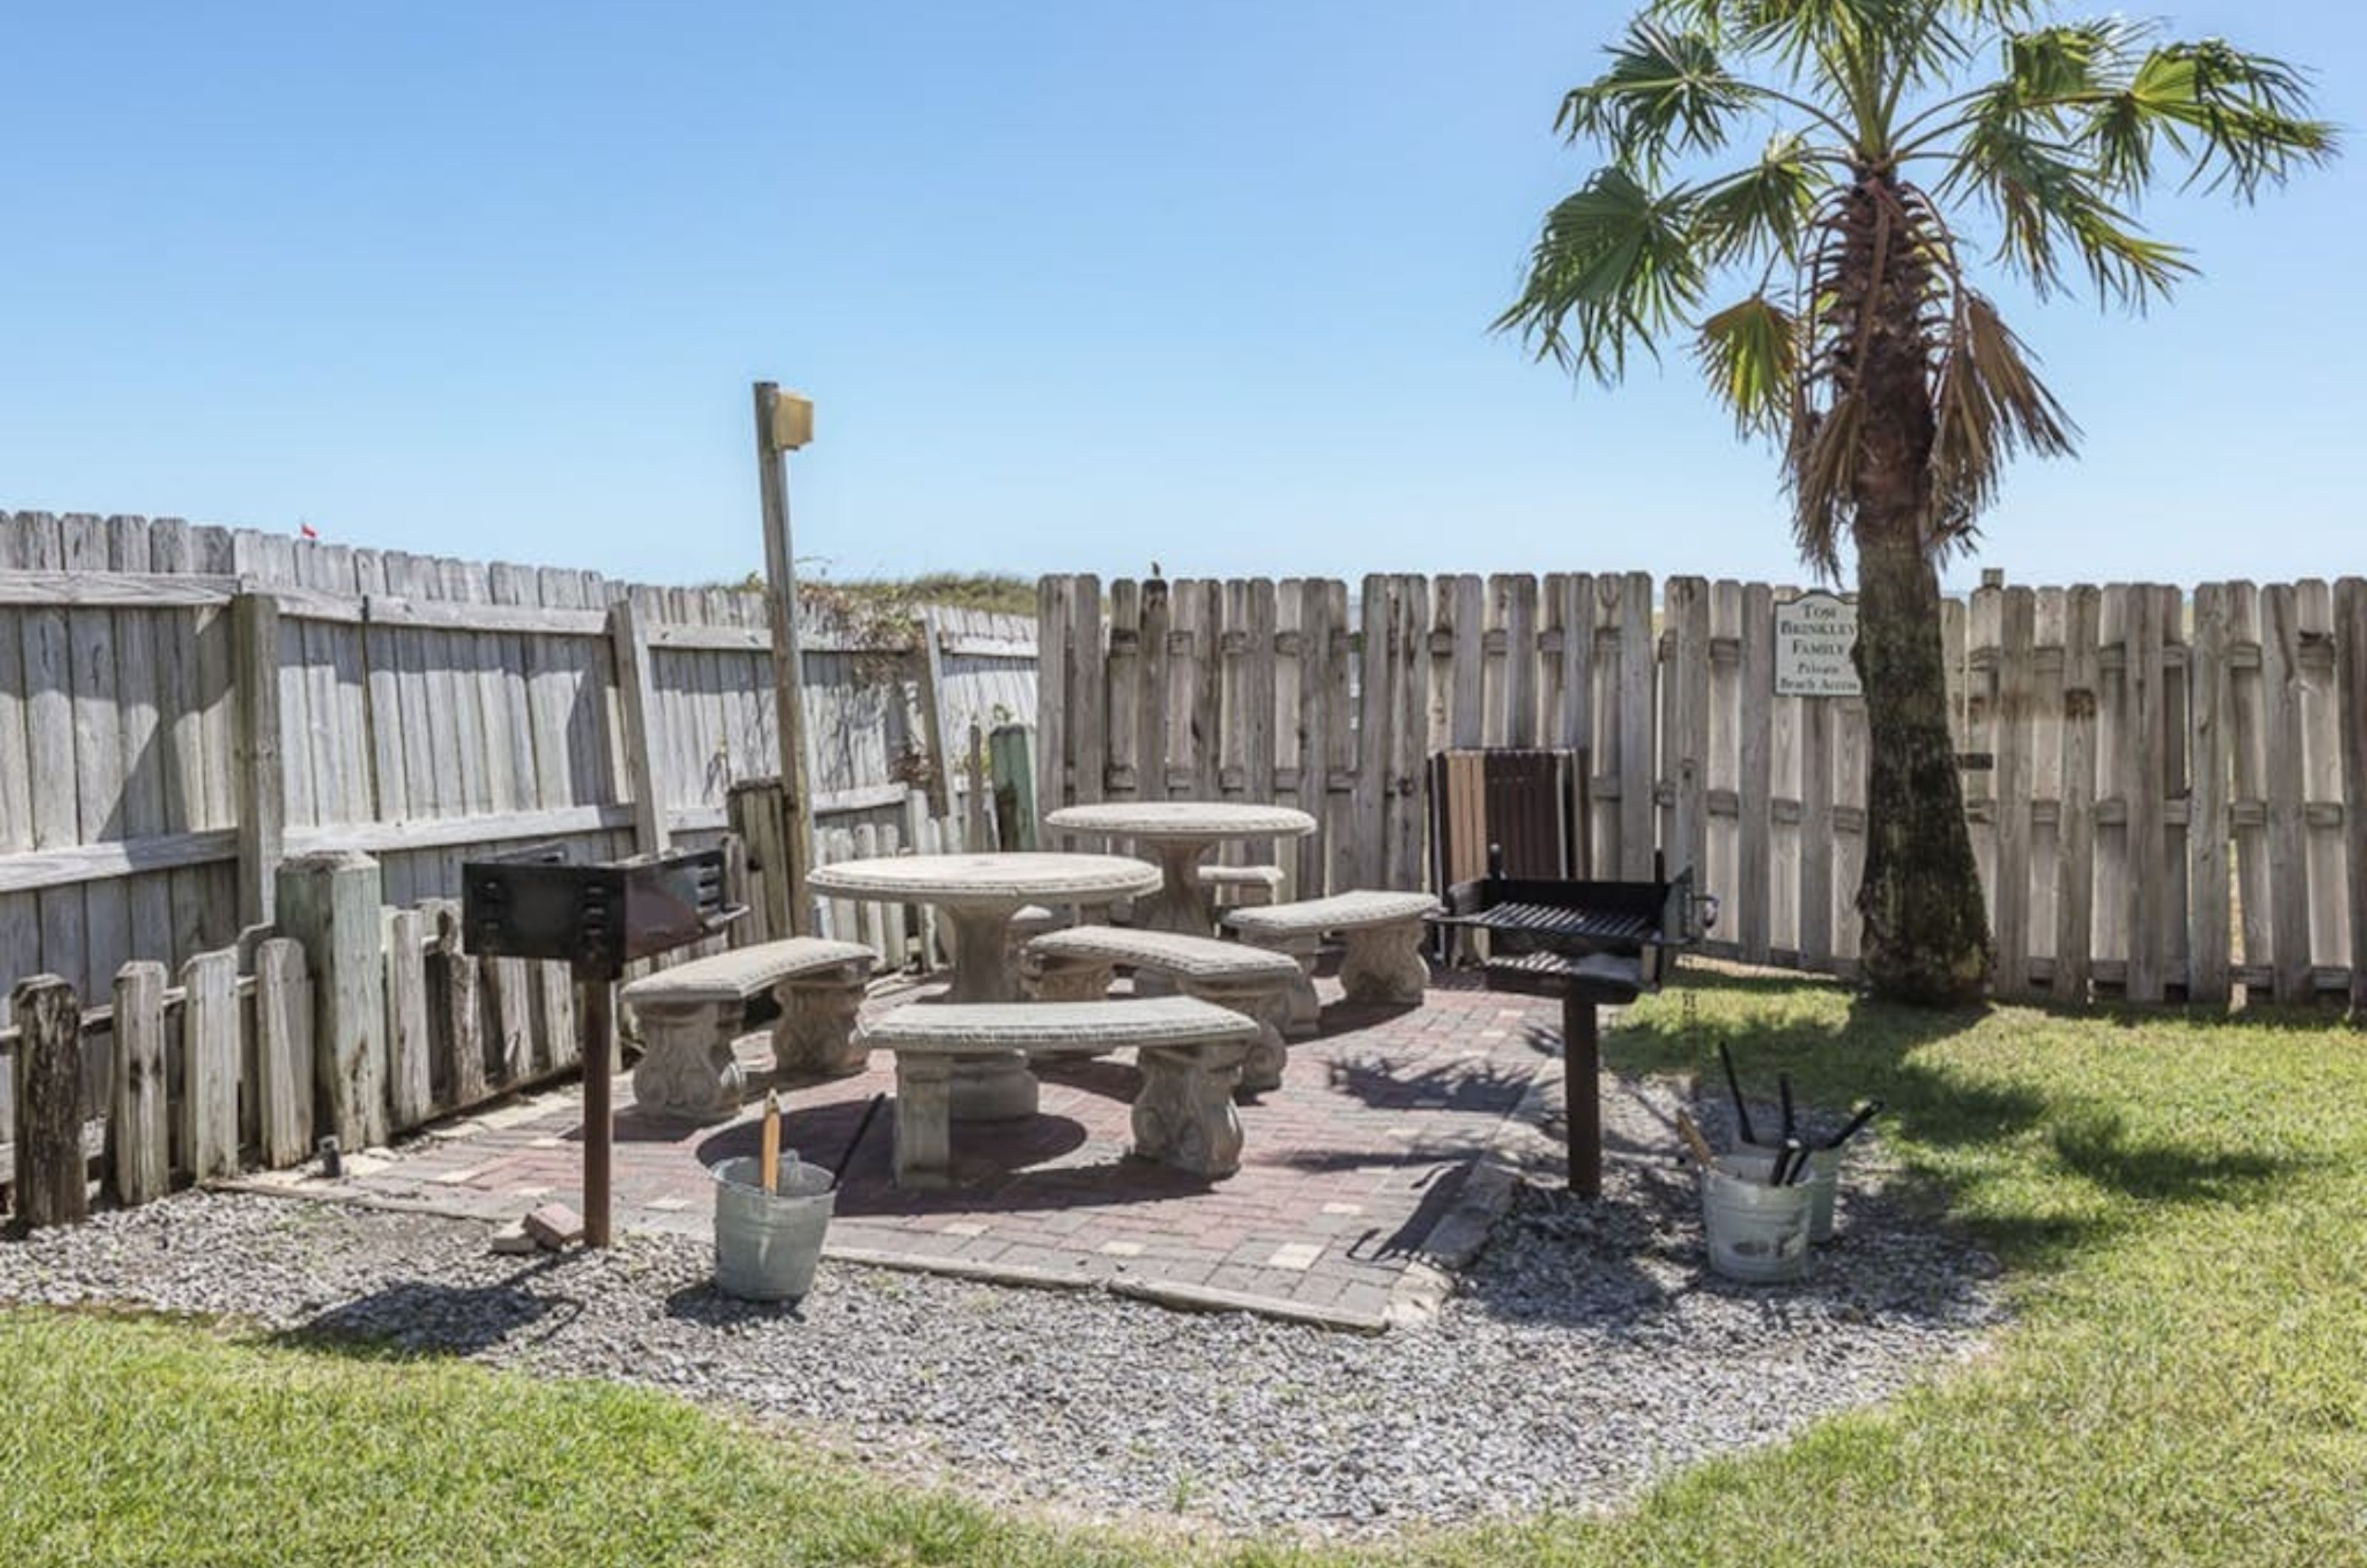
{"x": 1826, "y": 38}
{"x": 2239, "y": 117}
{"x": 1759, "y": 212}
{"x": 1617, "y": 264}
{"x": 2049, "y": 200}
{"x": 1665, "y": 92}
{"x": 2070, "y": 60}
{"x": 1749, "y": 353}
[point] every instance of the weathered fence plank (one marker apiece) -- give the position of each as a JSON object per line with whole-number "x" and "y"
{"x": 2351, "y": 688}
{"x": 1053, "y": 697}
{"x": 1816, "y": 882}
{"x": 1752, "y": 928}
{"x": 2209, "y": 775}
{"x": 51, "y": 1187}
{"x": 1634, "y": 711}
{"x": 210, "y": 1064}
{"x": 2009, "y": 889}
{"x": 2288, "y": 856}
{"x": 456, "y": 995}
{"x": 330, "y": 903}
{"x": 410, "y": 1079}
{"x": 1407, "y": 814}
{"x": 283, "y": 1053}
{"x": 2144, "y": 720}
{"x": 509, "y": 1020}
{"x": 262, "y": 784}
{"x": 2316, "y": 674}
{"x": 631, "y": 651}
{"x": 1125, "y": 780}
{"x": 1685, "y": 723}
{"x": 139, "y": 1131}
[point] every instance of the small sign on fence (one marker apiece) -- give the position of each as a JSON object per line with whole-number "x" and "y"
{"x": 1814, "y": 637}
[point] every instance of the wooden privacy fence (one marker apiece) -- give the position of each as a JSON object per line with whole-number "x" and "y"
{"x": 181, "y": 706}
{"x": 2166, "y": 794}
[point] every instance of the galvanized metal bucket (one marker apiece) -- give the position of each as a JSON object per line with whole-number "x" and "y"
{"x": 766, "y": 1246}
{"x": 1823, "y": 1183}
{"x": 1757, "y": 1234}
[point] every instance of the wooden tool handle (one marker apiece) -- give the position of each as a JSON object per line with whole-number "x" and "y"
{"x": 772, "y": 1156}
{"x": 1698, "y": 1145}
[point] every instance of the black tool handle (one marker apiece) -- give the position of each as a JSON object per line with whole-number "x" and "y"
{"x": 1788, "y": 1161}
{"x": 846, "y": 1156}
{"x": 1741, "y": 1111}
{"x": 1783, "y": 1089}
{"x": 1856, "y": 1124}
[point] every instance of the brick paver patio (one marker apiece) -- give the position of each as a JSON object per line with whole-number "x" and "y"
{"x": 1382, "y": 1156}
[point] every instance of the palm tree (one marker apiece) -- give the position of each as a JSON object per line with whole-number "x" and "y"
{"x": 1825, "y": 291}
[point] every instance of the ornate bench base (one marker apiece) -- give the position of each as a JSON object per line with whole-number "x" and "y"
{"x": 1190, "y": 1053}
{"x": 1383, "y": 965}
{"x": 690, "y": 1015}
{"x": 1271, "y": 1006}
{"x": 686, "y": 1068}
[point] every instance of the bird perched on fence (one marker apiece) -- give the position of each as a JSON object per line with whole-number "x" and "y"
{"x": 1154, "y": 568}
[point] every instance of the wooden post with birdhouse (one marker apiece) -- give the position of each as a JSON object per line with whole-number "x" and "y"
{"x": 784, "y": 424}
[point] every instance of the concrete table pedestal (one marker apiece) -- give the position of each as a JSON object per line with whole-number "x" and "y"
{"x": 1181, "y": 833}
{"x": 978, "y": 895}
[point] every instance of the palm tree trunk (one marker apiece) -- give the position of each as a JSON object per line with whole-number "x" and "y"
{"x": 1926, "y": 936}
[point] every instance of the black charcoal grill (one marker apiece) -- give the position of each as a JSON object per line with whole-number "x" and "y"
{"x": 1589, "y": 944}
{"x": 596, "y": 918}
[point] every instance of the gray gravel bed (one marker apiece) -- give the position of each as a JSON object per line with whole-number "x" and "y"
{"x": 1585, "y": 1352}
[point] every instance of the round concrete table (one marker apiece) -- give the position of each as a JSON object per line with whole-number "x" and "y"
{"x": 979, "y": 894}
{"x": 1181, "y": 833}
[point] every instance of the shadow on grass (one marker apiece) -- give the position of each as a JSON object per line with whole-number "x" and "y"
{"x": 2096, "y": 1142}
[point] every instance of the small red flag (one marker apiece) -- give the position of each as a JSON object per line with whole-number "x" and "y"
{"x": 308, "y": 530}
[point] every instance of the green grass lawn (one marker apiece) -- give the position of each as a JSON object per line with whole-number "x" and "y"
{"x": 2181, "y": 1206}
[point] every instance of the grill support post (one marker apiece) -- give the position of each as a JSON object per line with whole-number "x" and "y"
{"x": 599, "y": 1082}
{"x": 534, "y": 903}
{"x": 1581, "y": 1054}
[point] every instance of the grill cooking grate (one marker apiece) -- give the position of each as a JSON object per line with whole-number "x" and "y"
{"x": 1596, "y": 925}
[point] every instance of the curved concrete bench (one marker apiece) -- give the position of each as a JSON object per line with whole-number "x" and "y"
{"x": 690, "y": 1014}
{"x": 1076, "y": 965}
{"x": 1384, "y": 964}
{"x": 1190, "y": 1053}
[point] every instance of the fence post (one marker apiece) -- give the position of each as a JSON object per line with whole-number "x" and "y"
{"x": 1012, "y": 753}
{"x": 210, "y": 1063}
{"x": 261, "y": 783}
{"x": 409, "y": 1078}
{"x": 50, "y": 1170}
{"x": 138, "y": 1129}
{"x": 929, "y": 675}
{"x": 2350, "y": 686}
{"x": 977, "y": 828}
{"x": 283, "y": 1052}
{"x": 330, "y": 903}
{"x": 630, "y": 647}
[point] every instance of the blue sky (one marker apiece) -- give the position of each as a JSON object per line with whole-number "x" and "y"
{"x": 1075, "y": 287}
